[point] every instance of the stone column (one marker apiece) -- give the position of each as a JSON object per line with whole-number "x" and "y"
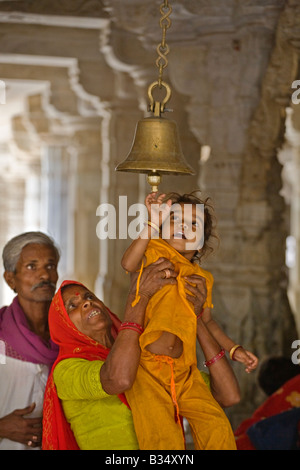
{"x": 12, "y": 196}
{"x": 294, "y": 284}
{"x": 57, "y": 202}
{"x": 289, "y": 157}
{"x": 86, "y": 151}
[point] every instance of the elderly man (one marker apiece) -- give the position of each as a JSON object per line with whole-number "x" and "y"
{"x": 30, "y": 263}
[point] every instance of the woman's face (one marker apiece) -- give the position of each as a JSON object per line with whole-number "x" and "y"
{"x": 87, "y": 312}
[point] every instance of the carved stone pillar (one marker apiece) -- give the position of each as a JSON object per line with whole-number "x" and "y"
{"x": 12, "y": 196}
{"x": 57, "y": 202}
{"x": 86, "y": 151}
{"x": 289, "y": 157}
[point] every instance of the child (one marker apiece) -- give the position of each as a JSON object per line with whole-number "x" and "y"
{"x": 168, "y": 376}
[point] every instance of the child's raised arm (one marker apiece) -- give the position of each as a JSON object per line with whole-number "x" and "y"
{"x": 134, "y": 254}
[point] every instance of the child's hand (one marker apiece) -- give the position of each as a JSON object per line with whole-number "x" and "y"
{"x": 158, "y": 212}
{"x": 247, "y": 358}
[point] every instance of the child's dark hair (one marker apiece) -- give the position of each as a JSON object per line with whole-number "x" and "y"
{"x": 209, "y": 220}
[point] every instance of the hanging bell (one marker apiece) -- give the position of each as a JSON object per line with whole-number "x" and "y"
{"x": 156, "y": 149}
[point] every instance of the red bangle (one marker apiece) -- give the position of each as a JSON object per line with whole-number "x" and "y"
{"x": 215, "y": 358}
{"x": 129, "y": 328}
{"x": 127, "y": 325}
{"x": 200, "y": 314}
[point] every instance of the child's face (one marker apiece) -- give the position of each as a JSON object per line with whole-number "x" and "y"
{"x": 184, "y": 229}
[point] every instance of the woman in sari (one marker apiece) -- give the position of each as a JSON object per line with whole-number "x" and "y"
{"x": 85, "y": 406}
{"x": 275, "y": 424}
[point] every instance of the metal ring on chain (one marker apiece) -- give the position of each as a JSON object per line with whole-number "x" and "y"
{"x": 166, "y": 98}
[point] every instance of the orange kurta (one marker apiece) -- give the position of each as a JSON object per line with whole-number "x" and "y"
{"x": 169, "y": 310}
{"x": 166, "y": 387}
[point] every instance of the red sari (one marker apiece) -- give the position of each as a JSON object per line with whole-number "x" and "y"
{"x": 287, "y": 398}
{"x": 57, "y": 433}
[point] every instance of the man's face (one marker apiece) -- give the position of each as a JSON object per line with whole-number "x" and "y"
{"x": 36, "y": 273}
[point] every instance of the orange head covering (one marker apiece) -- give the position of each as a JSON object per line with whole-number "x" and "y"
{"x": 57, "y": 434}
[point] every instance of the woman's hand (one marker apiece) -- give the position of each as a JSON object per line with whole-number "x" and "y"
{"x": 196, "y": 285}
{"x": 154, "y": 277}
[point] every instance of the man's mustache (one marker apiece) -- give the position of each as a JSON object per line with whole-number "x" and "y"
{"x": 42, "y": 284}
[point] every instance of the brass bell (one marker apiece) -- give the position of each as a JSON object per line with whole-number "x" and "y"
{"x": 156, "y": 146}
{"x": 156, "y": 149}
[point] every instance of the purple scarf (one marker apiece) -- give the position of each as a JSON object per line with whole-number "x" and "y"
{"x": 20, "y": 342}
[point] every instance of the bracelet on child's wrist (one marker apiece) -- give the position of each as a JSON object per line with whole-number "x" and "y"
{"x": 152, "y": 225}
{"x": 233, "y": 350}
{"x": 215, "y": 358}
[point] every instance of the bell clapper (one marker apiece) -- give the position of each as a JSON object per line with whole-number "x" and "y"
{"x": 154, "y": 179}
